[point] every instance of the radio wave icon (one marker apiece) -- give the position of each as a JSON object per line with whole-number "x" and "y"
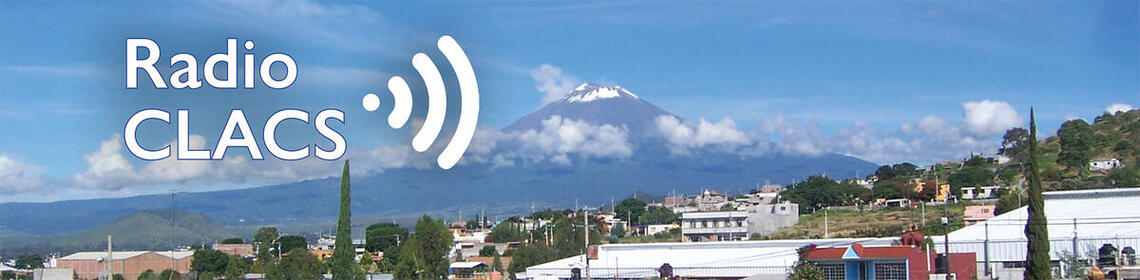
{"x": 437, "y": 102}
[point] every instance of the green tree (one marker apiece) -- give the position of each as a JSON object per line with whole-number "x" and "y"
{"x": 297, "y": 265}
{"x": 905, "y": 169}
{"x": 531, "y": 255}
{"x": 885, "y": 172}
{"x": 366, "y": 263}
{"x": 288, "y": 242}
{"x": 1009, "y": 200}
{"x": 236, "y": 268}
{"x": 169, "y": 274}
{"x": 658, "y": 215}
{"x": 208, "y": 275}
{"x": 235, "y": 240}
{"x": 381, "y": 236}
{"x": 207, "y": 260}
{"x": 1013, "y": 144}
{"x": 433, "y": 243}
{"x": 630, "y": 209}
{"x": 488, "y": 250}
{"x": 617, "y": 231}
{"x": 343, "y": 254}
{"x": 1076, "y": 140}
{"x": 806, "y": 271}
{"x": 266, "y": 241}
{"x": 819, "y": 191}
{"x": 497, "y": 263}
{"x": 1037, "y": 264}
{"x": 1125, "y": 177}
{"x": 147, "y": 275}
{"x": 29, "y": 261}
{"x": 507, "y": 232}
{"x": 972, "y": 176}
{"x": 117, "y": 276}
{"x": 887, "y": 190}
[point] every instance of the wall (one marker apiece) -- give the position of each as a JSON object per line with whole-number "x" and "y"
{"x": 765, "y": 219}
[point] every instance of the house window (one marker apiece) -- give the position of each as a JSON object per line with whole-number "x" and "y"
{"x": 832, "y": 270}
{"x": 890, "y": 270}
{"x": 986, "y": 210}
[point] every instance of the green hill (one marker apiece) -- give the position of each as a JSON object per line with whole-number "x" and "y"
{"x": 1108, "y": 136}
{"x": 149, "y": 230}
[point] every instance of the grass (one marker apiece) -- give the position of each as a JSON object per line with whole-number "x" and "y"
{"x": 884, "y": 222}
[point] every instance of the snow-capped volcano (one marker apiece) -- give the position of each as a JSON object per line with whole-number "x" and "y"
{"x": 598, "y": 105}
{"x": 588, "y": 92}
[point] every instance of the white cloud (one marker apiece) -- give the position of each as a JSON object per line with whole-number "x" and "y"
{"x": 109, "y": 170}
{"x": 930, "y": 139}
{"x": 989, "y": 118}
{"x": 558, "y": 140}
{"x": 682, "y": 137}
{"x": 1118, "y": 107}
{"x": 18, "y": 177}
{"x": 552, "y": 83}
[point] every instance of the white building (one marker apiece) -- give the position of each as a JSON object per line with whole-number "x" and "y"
{"x": 986, "y": 192}
{"x": 1105, "y": 164}
{"x": 1077, "y": 220}
{"x": 723, "y": 260}
{"x": 738, "y": 225}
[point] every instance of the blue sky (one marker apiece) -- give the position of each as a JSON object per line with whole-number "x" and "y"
{"x": 887, "y": 81}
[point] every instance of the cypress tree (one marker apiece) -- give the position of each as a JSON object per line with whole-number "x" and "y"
{"x": 1037, "y": 265}
{"x": 343, "y": 253}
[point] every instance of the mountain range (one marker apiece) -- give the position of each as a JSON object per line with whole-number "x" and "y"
{"x": 652, "y": 167}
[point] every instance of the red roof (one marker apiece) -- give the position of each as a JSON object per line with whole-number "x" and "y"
{"x": 863, "y": 252}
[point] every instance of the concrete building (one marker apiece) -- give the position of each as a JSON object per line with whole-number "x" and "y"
{"x": 978, "y": 213}
{"x": 714, "y": 226}
{"x": 1105, "y": 164}
{"x": 1077, "y": 221}
{"x": 130, "y": 264}
{"x": 241, "y": 250}
{"x": 770, "y": 259}
{"x": 711, "y": 200}
{"x": 655, "y": 229}
{"x": 987, "y": 192}
{"x": 738, "y": 225}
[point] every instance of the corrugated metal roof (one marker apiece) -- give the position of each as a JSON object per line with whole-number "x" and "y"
{"x": 96, "y": 255}
{"x": 1095, "y": 216}
{"x": 122, "y": 255}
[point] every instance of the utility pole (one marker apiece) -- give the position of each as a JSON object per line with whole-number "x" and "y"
{"x": 946, "y": 240}
{"x": 1075, "y": 237}
{"x": 987, "y": 248}
{"x": 586, "y": 240}
{"x": 108, "y": 265}
{"x": 826, "y": 235}
{"x": 173, "y": 260}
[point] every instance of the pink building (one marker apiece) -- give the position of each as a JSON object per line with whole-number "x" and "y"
{"x": 976, "y": 214}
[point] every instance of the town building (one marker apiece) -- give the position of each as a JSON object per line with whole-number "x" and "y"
{"x": 978, "y": 213}
{"x": 1077, "y": 221}
{"x": 769, "y": 259}
{"x": 987, "y": 192}
{"x": 241, "y": 250}
{"x": 885, "y": 262}
{"x": 655, "y": 228}
{"x": 90, "y": 265}
{"x": 1105, "y": 164}
{"x": 711, "y": 200}
{"x": 714, "y": 226}
{"x": 738, "y": 225}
